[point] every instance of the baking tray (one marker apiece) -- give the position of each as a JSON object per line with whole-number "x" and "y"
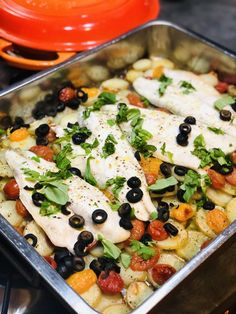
{"x": 208, "y": 280}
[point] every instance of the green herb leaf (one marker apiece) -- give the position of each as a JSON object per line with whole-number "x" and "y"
{"x": 154, "y": 215}
{"x": 187, "y": 87}
{"x": 88, "y": 176}
{"x": 122, "y": 113}
{"x": 61, "y": 160}
{"x": 165, "y": 82}
{"x": 56, "y": 192}
{"x": 36, "y": 158}
{"x": 69, "y": 132}
{"x": 88, "y": 147}
{"x": 47, "y": 209}
{"x": 110, "y": 249}
{"x": 104, "y": 98}
{"x": 109, "y": 146}
{"x": 111, "y": 122}
{"x": 164, "y": 152}
{"x": 163, "y": 183}
{"x": 145, "y": 101}
{"x": 115, "y": 206}
{"x": 117, "y": 184}
{"x": 224, "y": 101}
{"x": 125, "y": 259}
{"x": 2, "y": 131}
{"x": 216, "y": 130}
{"x": 143, "y": 250}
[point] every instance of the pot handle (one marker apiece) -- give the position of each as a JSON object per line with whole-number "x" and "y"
{"x": 30, "y": 64}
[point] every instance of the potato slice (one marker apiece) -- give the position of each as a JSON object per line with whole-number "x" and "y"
{"x": 231, "y": 210}
{"x": 193, "y": 246}
{"x": 93, "y": 295}
{"x": 173, "y": 243}
{"x": 229, "y": 189}
{"x": 108, "y": 300}
{"x": 115, "y": 84}
{"x": 129, "y": 276}
{"x": 142, "y": 64}
{"x": 117, "y": 309}
{"x": 202, "y": 224}
{"x": 218, "y": 197}
{"x": 8, "y": 211}
{"x": 137, "y": 293}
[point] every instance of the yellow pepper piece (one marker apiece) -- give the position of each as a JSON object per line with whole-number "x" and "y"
{"x": 182, "y": 213}
{"x": 82, "y": 281}
{"x": 157, "y": 72}
{"x": 92, "y": 92}
{"x": 19, "y": 135}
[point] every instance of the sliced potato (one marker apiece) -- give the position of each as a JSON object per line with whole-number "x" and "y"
{"x": 171, "y": 259}
{"x": 43, "y": 246}
{"x": 193, "y": 245}
{"x": 115, "y": 84}
{"x": 132, "y": 75}
{"x": 117, "y": 309}
{"x": 5, "y": 170}
{"x": 108, "y": 300}
{"x": 202, "y": 224}
{"x": 137, "y": 293}
{"x": 129, "y": 276}
{"x": 218, "y": 197}
{"x": 142, "y": 64}
{"x": 173, "y": 243}
{"x": 8, "y": 211}
{"x": 98, "y": 251}
{"x": 229, "y": 189}
{"x": 231, "y": 210}
{"x": 98, "y": 73}
{"x": 25, "y": 144}
{"x": 93, "y": 295}
{"x": 157, "y": 61}
{"x": 210, "y": 78}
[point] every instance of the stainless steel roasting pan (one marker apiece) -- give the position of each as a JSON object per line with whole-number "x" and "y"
{"x": 209, "y": 279}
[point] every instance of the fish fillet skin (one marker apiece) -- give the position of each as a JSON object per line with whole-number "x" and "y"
{"x": 84, "y": 200}
{"x": 164, "y": 128}
{"x": 198, "y": 103}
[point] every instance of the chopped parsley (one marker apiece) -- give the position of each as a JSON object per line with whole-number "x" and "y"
{"x": 88, "y": 176}
{"x": 47, "y": 209}
{"x": 103, "y": 99}
{"x": 70, "y": 131}
{"x": 122, "y": 113}
{"x": 110, "y": 249}
{"x": 145, "y": 101}
{"x": 111, "y": 122}
{"x": 36, "y": 158}
{"x": 145, "y": 251}
{"x": 115, "y": 205}
{"x": 187, "y": 87}
{"x": 154, "y": 215}
{"x": 164, "y": 152}
{"x": 117, "y": 184}
{"x": 165, "y": 82}
{"x": 109, "y": 146}
{"x": 216, "y": 130}
{"x": 225, "y": 100}
{"x": 161, "y": 184}
{"x": 88, "y": 147}
{"x": 2, "y": 131}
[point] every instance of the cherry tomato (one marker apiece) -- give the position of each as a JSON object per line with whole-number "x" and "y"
{"x": 92, "y": 245}
{"x": 66, "y": 94}
{"x": 157, "y": 231}
{"x": 21, "y": 210}
{"x": 11, "y": 190}
{"x": 162, "y": 272}
{"x": 217, "y": 220}
{"x": 111, "y": 283}
{"x": 151, "y": 178}
{"x": 222, "y": 87}
{"x": 139, "y": 264}
{"x": 51, "y": 136}
{"x": 217, "y": 179}
{"x": 138, "y": 230}
{"x": 135, "y": 100}
{"x": 231, "y": 178}
{"x": 43, "y": 151}
{"x": 51, "y": 261}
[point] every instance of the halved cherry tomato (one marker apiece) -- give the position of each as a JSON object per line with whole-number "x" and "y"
{"x": 21, "y": 210}
{"x": 11, "y": 190}
{"x": 139, "y": 264}
{"x": 43, "y": 151}
{"x": 82, "y": 281}
{"x": 162, "y": 272}
{"x": 151, "y": 178}
{"x": 157, "y": 231}
{"x": 183, "y": 212}
{"x": 217, "y": 179}
{"x": 92, "y": 245}
{"x": 217, "y": 220}
{"x": 51, "y": 136}
{"x": 51, "y": 261}
{"x": 135, "y": 100}
{"x": 111, "y": 283}
{"x": 231, "y": 178}
{"x": 222, "y": 87}
{"x": 138, "y": 229}
{"x": 66, "y": 94}
{"x": 19, "y": 135}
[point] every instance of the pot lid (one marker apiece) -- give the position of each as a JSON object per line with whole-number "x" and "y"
{"x": 71, "y": 25}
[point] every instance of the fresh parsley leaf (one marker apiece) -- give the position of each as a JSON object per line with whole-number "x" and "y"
{"x": 225, "y": 100}
{"x": 109, "y": 146}
{"x": 47, "y": 209}
{"x": 143, "y": 250}
{"x": 88, "y": 176}
{"x": 36, "y": 158}
{"x": 125, "y": 259}
{"x": 2, "y": 131}
{"x": 117, "y": 184}
{"x": 111, "y": 122}
{"x": 165, "y": 82}
{"x": 163, "y": 148}
{"x": 154, "y": 215}
{"x": 164, "y": 152}
{"x": 115, "y": 206}
{"x": 61, "y": 159}
{"x": 187, "y": 87}
{"x": 145, "y": 101}
{"x": 122, "y": 113}
{"x": 110, "y": 249}
{"x": 162, "y": 184}
{"x": 56, "y": 192}
{"x": 88, "y": 147}
{"x": 70, "y": 131}
{"x": 216, "y": 130}
{"x": 104, "y": 98}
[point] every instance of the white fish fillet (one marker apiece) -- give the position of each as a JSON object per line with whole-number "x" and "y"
{"x": 84, "y": 200}
{"x": 198, "y": 103}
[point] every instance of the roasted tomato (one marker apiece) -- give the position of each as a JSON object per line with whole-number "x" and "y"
{"x": 162, "y": 272}
{"x": 66, "y": 94}
{"x": 135, "y": 100}
{"x": 217, "y": 220}
{"x": 231, "y": 178}
{"x": 222, "y": 87}
{"x": 51, "y": 136}
{"x": 111, "y": 283}
{"x": 151, "y": 178}
{"x": 217, "y": 179}
{"x": 43, "y": 152}
{"x": 51, "y": 261}
{"x": 157, "y": 231}
{"x": 139, "y": 264}
{"x": 138, "y": 230}
{"x": 21, "y": 210}
{"x": 11, "y": 190}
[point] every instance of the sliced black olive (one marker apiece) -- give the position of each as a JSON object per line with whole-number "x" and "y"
{"x": 19, "y": 121}
{"x": 125, "y": 223}
{"x": 137, "y": 155}
{"x": 32, "y": 239}
{"x": 51, "y": 111}
{"x": 146, "y": 238}
{"x": 96, "y": 266}
{"x": 73, "y": 103}
{"x": 190, "y": 120}
{"x": 63, "y": 271}
{"x": 180, "y": 170}
{"x": 76, "y": 221}
{"x": 111, "y": 265}
{"x": 64, "y": 209}
{"x": 42, "y": 141}
{"x": 185, "y": 128}
{"x": 82, "y": 95}
{"x": 42, "y": 130}
{"x": 99, "y": 216}
{"x": 70, "y": 125}
{"x": 85, "y": 237}
{"x": 170, "y": 188}
{"x": 38, "y": 186}
{"x": 163, "y": 214}
{"x": 233, "y": 106}
{"x": 171, "y": 229}
{"x": 38, "y": 114}
{"x": 160, "y": 192}
{"x": 225, "y": 115}
{"x": 222, "y": 169}
{"x": 180, "y": 196}
{"x": 28, "y": 188}
{"x": 61, "y": 253}
{"x": 79, "y": 249}
{"x": 60, "y": 107}
{"x": 182, "y": 139}
{"x": 124, "y": 210}
{"x": 38, "y": 199}
{"x": 68, "y": 262}
{"x": 134, "y": 182}
{"x": 78, "y": 263}
{"x": 208, "y": 205}
{"x": 165, "y": 169}
{"x": 14, "y": 128}
{"x": 6, "y": 122}
{"x": 163, "y": 205}
{"x": 134, "y": 195}
{"x": 79, "y": 138}
{"x": 75, "y": 171}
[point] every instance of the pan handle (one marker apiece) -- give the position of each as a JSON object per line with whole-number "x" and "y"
{"x": 30, "y": 64}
